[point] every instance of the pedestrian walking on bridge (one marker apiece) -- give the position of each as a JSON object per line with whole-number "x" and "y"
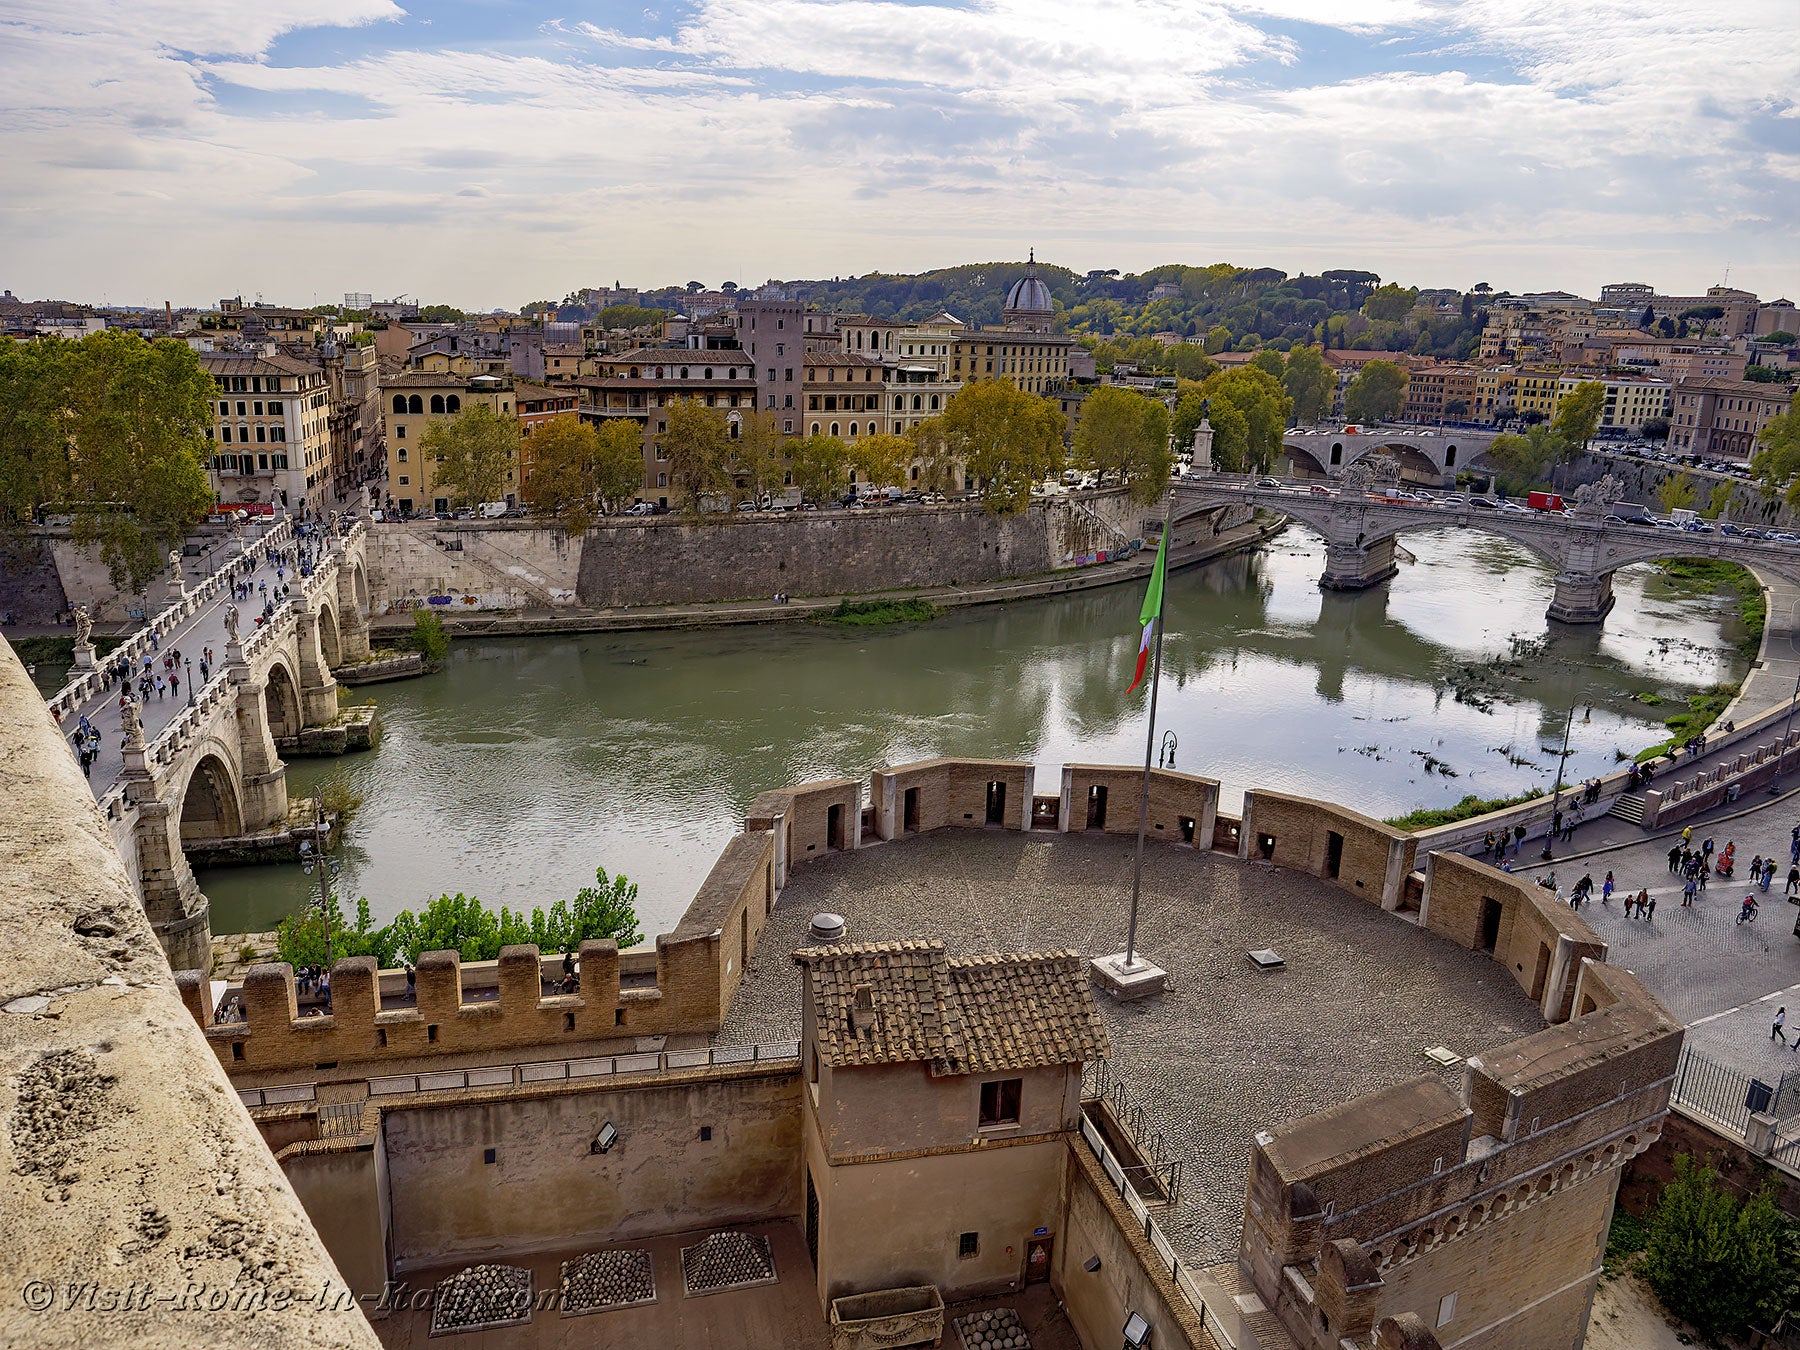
{"x": 1778, "y": 1033}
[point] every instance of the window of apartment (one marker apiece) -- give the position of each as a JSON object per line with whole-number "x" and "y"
{"x": 999, "y": 1103}
{"x": 242, "y": 408}
{"x": 788, "y": 426}
{"x": 787, "y": 374}
{"x": 224, "y": 408}
{"x": 279, "y": 461}
{"x": 662, "y": 480}
{"x": 400, "y": 432}
{"x": 262, "y": 461}
{"x": 262, "y": 433}
{"x": 403, "y": 454}
{"x": 968, "y": 1246}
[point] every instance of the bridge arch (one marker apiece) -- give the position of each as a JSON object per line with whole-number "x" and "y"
{"x": 329, "y": 645}
{"x": 211, "y": 805}
{"x": 1304, "y": 462}
{"x": 359, "y": 585}
{"x": 281, "y": 702}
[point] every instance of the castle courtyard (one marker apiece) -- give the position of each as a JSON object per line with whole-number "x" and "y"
{"x": 1229, "y": 1049}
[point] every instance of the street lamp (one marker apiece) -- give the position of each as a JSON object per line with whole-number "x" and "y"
{"x": 1167, "y": 758}
{"x": 1562, "y": 761}
{"x": 188, "y": 661}
{"x": 313, "y": 855}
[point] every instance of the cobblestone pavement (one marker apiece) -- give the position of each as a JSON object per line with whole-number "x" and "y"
{"x": 1230, "y": 1049}
{"x": 1723, "y": 978}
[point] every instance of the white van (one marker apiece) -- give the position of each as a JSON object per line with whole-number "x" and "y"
{"x": 492, "y": 510}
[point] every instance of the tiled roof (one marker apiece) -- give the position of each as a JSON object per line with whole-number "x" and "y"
{"x": 963, "y": 1016}
{"x": 239, "y": 363}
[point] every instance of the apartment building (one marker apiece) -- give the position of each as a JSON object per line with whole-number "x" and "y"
{"x": 1723, "y": 417}
{"x": 271, "y": 427}
{"x": 1448, "y": 392}
{"x": 640, "y": 385}
{"x": 413, "y": 401}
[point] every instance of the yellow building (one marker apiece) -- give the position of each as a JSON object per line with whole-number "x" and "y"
{"x": 413, "y": 401}
{"x": 1538, "y": 389}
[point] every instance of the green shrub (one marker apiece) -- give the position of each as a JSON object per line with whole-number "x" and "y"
{"x": 1717, "y": 1262}
{"x": 1427, "y": 817}
{"x": 877, "y": 613}
{"x": 428, "y": 636}
{"x": 461, "y": 923}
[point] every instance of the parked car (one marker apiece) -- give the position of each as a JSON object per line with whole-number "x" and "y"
{"x": 1268, "y": 482}
{"x": 1486, "y": 503}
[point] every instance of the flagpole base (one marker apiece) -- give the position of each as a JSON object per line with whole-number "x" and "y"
{"x": 1127, "y": 984}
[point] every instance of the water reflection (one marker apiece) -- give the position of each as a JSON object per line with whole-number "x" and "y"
{"x": 529, "y": 762}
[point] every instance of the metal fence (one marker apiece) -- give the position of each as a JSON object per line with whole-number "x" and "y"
{"x": 1727, "y": 1096}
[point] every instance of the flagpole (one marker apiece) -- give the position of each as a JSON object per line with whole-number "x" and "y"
{"x": 1137, "y": 870}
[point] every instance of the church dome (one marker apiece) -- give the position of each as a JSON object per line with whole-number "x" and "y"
{"x": 1028, "y": 293}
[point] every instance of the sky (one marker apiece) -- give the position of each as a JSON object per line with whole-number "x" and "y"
{"x": 488, "y": 153}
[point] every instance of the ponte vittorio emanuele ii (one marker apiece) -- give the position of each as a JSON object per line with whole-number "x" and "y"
{"x": 1360, "y": 524}
{"x": 204, "y": 768}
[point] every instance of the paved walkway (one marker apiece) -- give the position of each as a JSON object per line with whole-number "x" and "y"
{"x": 205, "y": 628}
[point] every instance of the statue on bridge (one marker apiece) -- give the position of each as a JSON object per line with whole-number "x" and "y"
{"x": 1369, "y": 473}
{"x": 84, "y": 626}
{"x": 175, "y": 564}
{"x": 231, "y": 623}
{"x": 334, "y": 523}
{"x": 133, "y": 722}
{"x": 1594, "y": 500}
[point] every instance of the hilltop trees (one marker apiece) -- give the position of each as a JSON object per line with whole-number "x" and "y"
{"x": 110, "y": 430}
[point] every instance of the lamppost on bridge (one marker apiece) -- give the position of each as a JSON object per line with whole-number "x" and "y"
{"x": 1166, "y": 760}
{"x": 1787, "y": 728}
{"x": 1562, "y": 761}
{"x": 188, "y": 661}
{"x": 313, "y": 855}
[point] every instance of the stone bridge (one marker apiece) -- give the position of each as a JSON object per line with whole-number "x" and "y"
{"x": 1360, "y": 530}
{"x": 1430, "y": 455}
{"x": 206, "y": 769}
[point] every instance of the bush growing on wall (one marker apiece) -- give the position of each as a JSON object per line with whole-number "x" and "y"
{"x": 429, "y": 638}
{"x": 461, "y": 923}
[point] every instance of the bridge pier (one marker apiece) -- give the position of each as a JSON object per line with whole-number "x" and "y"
{"x": 179, "y": 914}
{"x": 1351, "y": 565}
{"x": 318, "y": 690}
{"x": 263, "y": 790}
{"x": 1581, "y": 597}
{"x": 353, "y": 623}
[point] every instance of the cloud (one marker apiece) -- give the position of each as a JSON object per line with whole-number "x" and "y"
{"x": 1562, "y": 139}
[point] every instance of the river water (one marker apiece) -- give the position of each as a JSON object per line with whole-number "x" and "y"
{"x": 528, "y": 763}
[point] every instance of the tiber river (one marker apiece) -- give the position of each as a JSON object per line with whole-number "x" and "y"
{"x": 528, "y": 763}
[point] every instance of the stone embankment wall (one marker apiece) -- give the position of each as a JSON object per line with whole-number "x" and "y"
{"x": 484, "y": 565}
{"x": 1641, "y": 479}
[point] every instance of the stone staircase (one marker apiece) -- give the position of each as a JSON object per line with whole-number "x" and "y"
{"x": 1629, "y": 807}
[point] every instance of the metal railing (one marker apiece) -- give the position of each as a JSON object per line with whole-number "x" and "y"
{"x": 1157, "y": 1174}
{"x": 1722, "y": 1095}
{"x": 1185, "y": 1279}
{"x": 575, "y": 1070}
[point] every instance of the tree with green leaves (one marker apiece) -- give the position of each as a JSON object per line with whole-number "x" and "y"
{"x": 756, "y": 455}
{"x": 1777, "y": 459}
{"x": 1717, "y": 502}
{"x": 939, "y": 470}
{"x": 1390, "y": 303}
{"x": 1006, "y": 438}
{"x": 428, "y": 637}
{"x": 1578, "y": 414}
{"x": 473, "y": 453}
{"x": 561, "y": 485}
{"x": 697, "y": 444}
{"x": 111, "y": 431}
{"x": 1715, "y": 1261}
{"x": 821, "y": 467}
{"x": 1676, "y": 493}
{"x": 1656, "y": 429}
{"x": 1310, "y": 383}
{"x": 1270, "y": 360}
{"x": 1262, "y": 404}
{"x": 1377, "y": 393}
{"x": 618, "y": 462}
{"x": 1528, "y": 459}
{"x": 882, "y": 461}
{"x": 1126, "y": 435}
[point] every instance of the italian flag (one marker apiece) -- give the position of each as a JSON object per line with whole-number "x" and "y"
{"x": 1151, "y": 614}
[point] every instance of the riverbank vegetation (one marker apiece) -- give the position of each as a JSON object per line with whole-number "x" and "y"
{"x": 1428, "y": 817}
{"x": 1722, "y": 1263}
{"x": 1702, "y": 711}
{"x": 461, "y": 923}
{"x": 879, "y": 613}
{"x": 428, "y": 637}
{"x": 1752, "y": 605}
